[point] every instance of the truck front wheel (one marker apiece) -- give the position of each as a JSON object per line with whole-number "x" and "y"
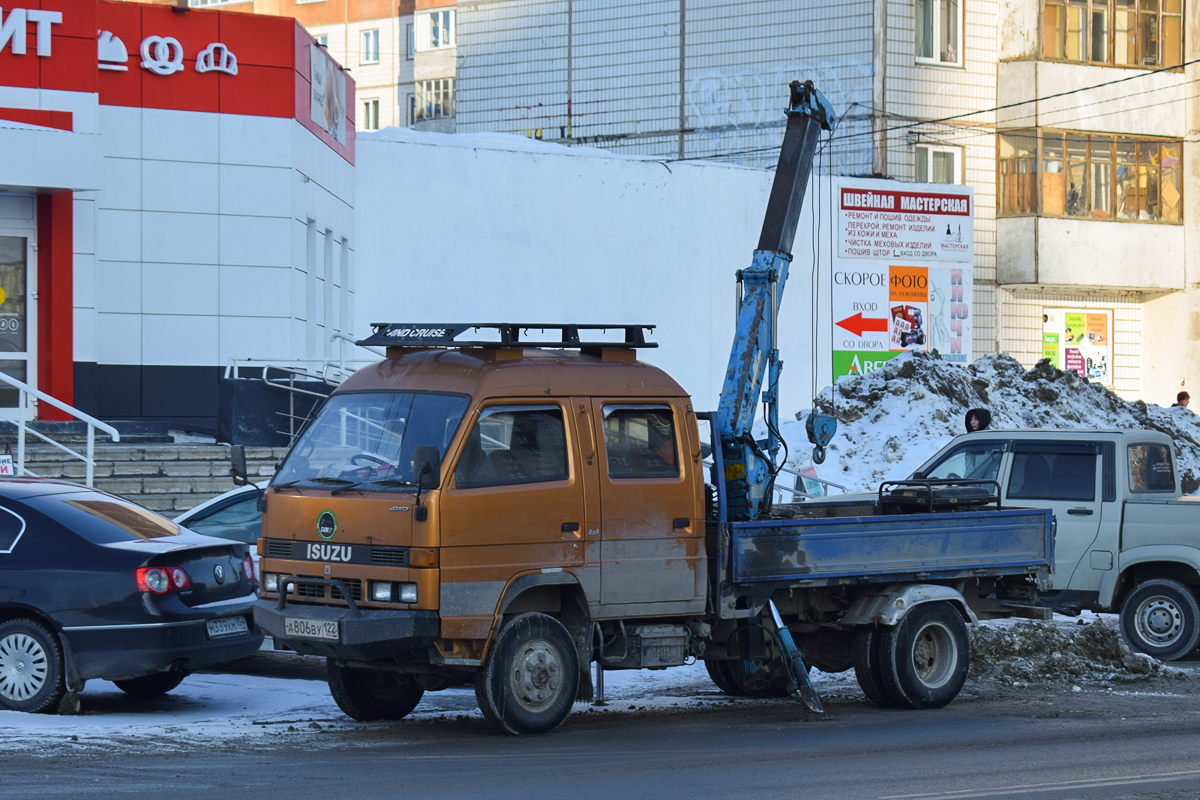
{"x": 874, "y": 678}
{"x": 1161, "y": 618}
{"x": 928, "y": 654}
{"x": 530, "y": 676}
{"x": 368, "y": 694}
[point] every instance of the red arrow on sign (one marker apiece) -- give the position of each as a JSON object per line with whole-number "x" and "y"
{"x": 858, "y": 324}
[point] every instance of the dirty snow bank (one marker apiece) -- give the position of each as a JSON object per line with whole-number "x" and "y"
{"x": 1090, "y": 650}
{"x": 893, "y": 419}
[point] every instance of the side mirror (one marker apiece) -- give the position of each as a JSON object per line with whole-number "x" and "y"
{"x": 237, "y": 461}
{"x": 918, "y": 476}
{"x": 427, "y": 464}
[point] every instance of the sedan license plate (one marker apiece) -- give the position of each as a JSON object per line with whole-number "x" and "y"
{"x": 226, "y": 626}
{"x": 310, "y": 629}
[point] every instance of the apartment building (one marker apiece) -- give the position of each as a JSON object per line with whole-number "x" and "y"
{"x": 401, "y": 53}
{"x": 960, "y": 91}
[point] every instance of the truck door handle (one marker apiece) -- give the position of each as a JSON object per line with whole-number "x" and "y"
{"x": 569, "y": 527}
{"x": 1080, "y": 511}
{"x": 681, "y": 522}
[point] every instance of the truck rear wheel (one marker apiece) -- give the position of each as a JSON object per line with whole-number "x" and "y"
{"x": 928, "y": 654}
{"x": 1161, "y": 618}
{"x": 876, "y": 682}
{"x": 530, "y": 676}
{"x": 369, "y": 694}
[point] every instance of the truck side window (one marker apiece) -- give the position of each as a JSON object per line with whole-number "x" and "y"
{"x": 1150, "y": 468}
{"x": 976, "y": 461}
{"x": 514, "y": 444}
{"x": 1053, "y": 476}
{"x": 640, "y": 441}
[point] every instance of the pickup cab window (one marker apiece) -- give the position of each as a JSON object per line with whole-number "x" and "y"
{"x": 514, "y": 444}
{"x": 1150, "y": 468}
{"x": 975, "y": 461}
{"x": 640, "y": 441}
{"x": 1047, "y": 475}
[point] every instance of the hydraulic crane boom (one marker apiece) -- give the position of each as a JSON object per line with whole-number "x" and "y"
{"x": 748, "y": 470}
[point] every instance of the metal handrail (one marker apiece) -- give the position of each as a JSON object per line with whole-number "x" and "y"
{"x": 89, "y": 460}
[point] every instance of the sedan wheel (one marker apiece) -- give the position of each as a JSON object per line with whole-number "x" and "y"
{"x": 31, "y": 675}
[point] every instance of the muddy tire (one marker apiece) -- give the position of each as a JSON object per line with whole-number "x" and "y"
{"x": 154, "y": 685}
{"x": 875, "y": 681}
{"x": 530, "y": 676}
{"x": 31, "y": 667}
{"x": 928, "y": 655}
{"x": 1161, "y": 619}
{"x": 721, "y": 673}
{"x": 368, "y": 695}
{"x": 731, "y": 678}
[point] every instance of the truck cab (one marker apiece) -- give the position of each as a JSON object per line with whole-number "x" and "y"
{"x": 444, "y": 492}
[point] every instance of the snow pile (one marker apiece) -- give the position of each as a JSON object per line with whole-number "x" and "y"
{"x": 1039, "y": 652}
{"x": 890, "y": 421}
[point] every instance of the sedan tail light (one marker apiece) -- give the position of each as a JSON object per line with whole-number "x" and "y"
{"x": 248, "y": 568}
{"x": 160, "y": 580}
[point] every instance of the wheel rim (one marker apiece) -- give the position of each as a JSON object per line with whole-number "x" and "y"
{"x": 1159, "y": 621}
{"x": 537, "y": 675}
{"x": 23, "y": 667}
{"x": 934, "y": 655}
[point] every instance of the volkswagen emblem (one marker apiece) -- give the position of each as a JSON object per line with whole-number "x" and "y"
{"x": 219, "y": 573}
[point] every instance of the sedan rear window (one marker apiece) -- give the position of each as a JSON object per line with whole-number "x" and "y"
{"x": 125, "y": 521}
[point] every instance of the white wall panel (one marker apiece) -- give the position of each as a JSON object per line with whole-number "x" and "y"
{"x": 180, "y": 135}
{"x": 179, "y": 288}
{"x": 122, "y": 184}
{"x": 118, "y": 235}
{"x": 256, "y": 191}
{"x": 122, "y": 130}
{"x": 83, "y": 223}
{"x": 255, "y": 291}
{"x": 255, "y": 241}
{"x": 177, "y": 238}
{"x": 261, "y": 141}
{"x": 118, "y": 338}
{"x": 179, "y": 186}
{"x": 83, "y": 284}
{"x": 254, "y": 337}
{"x": 84, "y": 320}
{"x": 118, "y": 287}
{"x": 179, "y": 340}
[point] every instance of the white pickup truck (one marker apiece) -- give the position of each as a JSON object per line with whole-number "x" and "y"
{"x": 1125, "y": 540}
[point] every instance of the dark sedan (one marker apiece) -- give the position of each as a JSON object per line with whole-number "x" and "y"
{"x": 93, "y": 586}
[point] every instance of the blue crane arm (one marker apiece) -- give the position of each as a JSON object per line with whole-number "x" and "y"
{"x": 755, "y": 354}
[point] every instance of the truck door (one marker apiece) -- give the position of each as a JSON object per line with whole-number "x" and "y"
{"x": 514, "y": 505}
{"x": 1064, "y": 477}
{"x": 651, "y": 547}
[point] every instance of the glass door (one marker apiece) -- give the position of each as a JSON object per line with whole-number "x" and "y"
{"x": 16, "y": 318}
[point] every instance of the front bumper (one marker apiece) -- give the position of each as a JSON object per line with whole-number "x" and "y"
{"x": 363, "y": 634}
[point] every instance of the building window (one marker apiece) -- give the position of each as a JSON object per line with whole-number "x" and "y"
{"x": 938, "y": 164}
{"x": 435, "y": 99}
{"x": 411, "y": 104}
{"x": 434, "y": 30}
{"x": 323, "y": 40}
{"x": 370, "y": 115}
{"x": 411, "y": 38}
{"x": 939, "y": 31}
{"x": 1094, "y": 176}
{"x": 1122, "y": 33}
{"x": 370, "y": 47}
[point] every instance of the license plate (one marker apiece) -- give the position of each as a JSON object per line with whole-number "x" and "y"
{"x": 310, "y": 629}
{"x": 226, "y": 626}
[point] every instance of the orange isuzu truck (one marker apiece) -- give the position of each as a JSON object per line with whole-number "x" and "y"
{"x": 485, "y": 506}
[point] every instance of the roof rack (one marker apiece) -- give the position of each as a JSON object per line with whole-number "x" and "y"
{"x": 431, "y": 334}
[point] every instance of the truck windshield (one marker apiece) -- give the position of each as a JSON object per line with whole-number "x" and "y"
{"x": 977, "y": 461}
{"x": 370, "y": 437}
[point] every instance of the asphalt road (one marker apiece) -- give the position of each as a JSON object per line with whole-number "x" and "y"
{"x": 1135, "y": 742}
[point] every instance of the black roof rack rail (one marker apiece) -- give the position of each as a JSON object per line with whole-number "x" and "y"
{"x": 509, "y": 334}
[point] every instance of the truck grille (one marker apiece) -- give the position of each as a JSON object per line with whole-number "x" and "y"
{"x": 321, "y": 591}
{"x": 352, "y": 553}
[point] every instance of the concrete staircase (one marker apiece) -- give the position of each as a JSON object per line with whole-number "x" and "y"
{"x": 167, "y": 478}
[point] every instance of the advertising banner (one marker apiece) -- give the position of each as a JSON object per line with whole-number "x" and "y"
{"x": 904, "y": 277}
{"x": 1080, "y": 340}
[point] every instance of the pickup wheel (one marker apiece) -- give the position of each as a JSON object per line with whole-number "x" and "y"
{"x": 31, "y": 671}
{"x": 1161, "y": 618}
{"x": 368, "y": 695}
{"x": 876, "y": 682}
{"x": 928, "y": 655}
{"x": 530, "y": 676}
{"x": 151, "y": 685}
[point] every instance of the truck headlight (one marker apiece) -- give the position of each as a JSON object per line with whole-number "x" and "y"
{"x": 408, "y": 593}
{"x": 381, "y": 591}
{"x": 270, "y": 582}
